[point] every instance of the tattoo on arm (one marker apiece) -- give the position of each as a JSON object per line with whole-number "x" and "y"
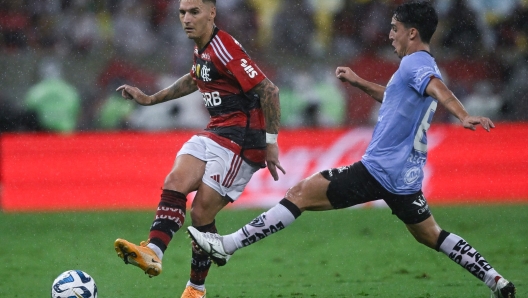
{"x": 269, "y": 100}
{"x": 183, "y": 86}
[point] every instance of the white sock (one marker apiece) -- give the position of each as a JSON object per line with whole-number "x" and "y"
{"x": 458, "y": 250}
{"x": 277, "y": 218}
{"x": 198, "y": 287}
{"x": 156, "y": 249}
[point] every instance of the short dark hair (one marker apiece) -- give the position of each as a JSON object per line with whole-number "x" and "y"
{"x": 420, "y": 15}
{"x": 211, "y": 1}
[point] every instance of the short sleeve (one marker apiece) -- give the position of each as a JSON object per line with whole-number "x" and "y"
{"x": 238, "y": 62}
{"x": 419, "y": 72}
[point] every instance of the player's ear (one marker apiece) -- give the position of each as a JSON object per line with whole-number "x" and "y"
{"x": 413, "y": 33}
{"x": 213, "y": 13}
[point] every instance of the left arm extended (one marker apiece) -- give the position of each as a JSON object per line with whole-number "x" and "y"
{"x": 269, "y": 100}
{"x": 438, "y": 90}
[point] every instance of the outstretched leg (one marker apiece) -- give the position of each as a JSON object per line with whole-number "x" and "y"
{"x": 309, "y": 194}
{"x": 461, "y": 252}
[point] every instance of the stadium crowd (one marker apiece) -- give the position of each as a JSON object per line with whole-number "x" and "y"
{"x": 63, "y": 59}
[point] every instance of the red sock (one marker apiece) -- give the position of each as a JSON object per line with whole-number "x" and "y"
{"x": 201, "y": 263}
{"x": 170, "y": 217}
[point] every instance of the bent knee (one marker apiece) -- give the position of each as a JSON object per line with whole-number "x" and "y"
{"x": 310, "y": 194}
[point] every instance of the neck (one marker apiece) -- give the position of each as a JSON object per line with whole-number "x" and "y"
{"x": 417, "y": 48}
{"x": 203, "y": 40}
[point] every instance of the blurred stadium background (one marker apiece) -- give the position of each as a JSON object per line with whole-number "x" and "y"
{"x": 62, "y": 60}
{"x": 69, "y": 142}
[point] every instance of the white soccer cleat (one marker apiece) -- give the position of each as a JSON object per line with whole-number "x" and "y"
{"x": 211, "y": 244}
{"x": 503, "y": 289}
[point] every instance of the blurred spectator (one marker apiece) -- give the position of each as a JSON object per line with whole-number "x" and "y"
{"x": 133, "y": 32}
{"x": 14, "y": 24}
{"x": 463, "y": 34}
{"x": 292, "y": 36}
{"x": 484, "y": 40}
{"x": 313, "y": 100}
{"x": 13, "y": 119}
{"x": 515, "y": 92}
{"x": 114, "y": 112}
{"x": 55, "y": 102}
{"x": 324, "y": 12}
{"x": 266, "y": 14}
{"x": 482, "y": 101}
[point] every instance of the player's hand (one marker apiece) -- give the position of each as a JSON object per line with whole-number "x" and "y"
{"x": 345, "y": 74}
{"x": 272, "y": 160}
{"x": 133, "y": 93}
{"x": 469, "y": 122}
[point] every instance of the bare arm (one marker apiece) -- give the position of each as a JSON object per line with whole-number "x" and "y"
{"x": 183, "y": 86}
{"x": 345, "y": 74}
{"x": 270, "y": 103}
{"x": 438, "y": 90}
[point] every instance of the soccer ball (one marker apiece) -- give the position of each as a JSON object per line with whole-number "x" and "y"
{"x": 74, "y": 284}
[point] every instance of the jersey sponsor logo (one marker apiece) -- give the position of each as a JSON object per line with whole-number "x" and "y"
{"x": 412, "y": 175}
{"x": 248, "y": 68}
{"x": 212, "y": 99}
{"x": 420, "y": 202}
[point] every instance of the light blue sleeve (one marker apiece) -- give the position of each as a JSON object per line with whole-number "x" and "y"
{"x": 419, "y": 70}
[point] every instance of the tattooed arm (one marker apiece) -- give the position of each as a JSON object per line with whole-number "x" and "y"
{"x": 183, "y": 86}
{"x": 270, "y": 103}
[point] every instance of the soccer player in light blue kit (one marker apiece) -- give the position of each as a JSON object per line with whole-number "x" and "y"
{"x": 392, "y": 167}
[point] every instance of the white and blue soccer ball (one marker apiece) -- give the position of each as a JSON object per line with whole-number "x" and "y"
{"x": 74, "y": 284}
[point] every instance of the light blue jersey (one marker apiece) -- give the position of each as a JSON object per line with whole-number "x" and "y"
{"x": 397, "y": 152}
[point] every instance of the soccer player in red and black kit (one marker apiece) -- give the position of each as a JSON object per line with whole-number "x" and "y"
{"x": 217, "y": 163}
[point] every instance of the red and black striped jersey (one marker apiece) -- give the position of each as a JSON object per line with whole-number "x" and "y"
{"x": 225, "y": 75}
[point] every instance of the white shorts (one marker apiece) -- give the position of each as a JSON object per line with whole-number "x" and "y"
{"x": 225, "y": 171}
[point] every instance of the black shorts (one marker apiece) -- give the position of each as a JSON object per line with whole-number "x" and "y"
{"x": 353, "y": 185}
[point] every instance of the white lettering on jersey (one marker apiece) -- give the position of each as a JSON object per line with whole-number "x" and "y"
{"x": 248, "y": 68}
{"x": 212, "y": 99}
{"x": 205, "y": 56}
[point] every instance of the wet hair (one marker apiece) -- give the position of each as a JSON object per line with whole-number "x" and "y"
{"x": 420, "y": 15}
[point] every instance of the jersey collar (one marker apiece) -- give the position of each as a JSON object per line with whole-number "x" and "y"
{"x": 215, "y": 31}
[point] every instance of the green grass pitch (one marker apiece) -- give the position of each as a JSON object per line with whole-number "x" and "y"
{"x": 347, "y": 253}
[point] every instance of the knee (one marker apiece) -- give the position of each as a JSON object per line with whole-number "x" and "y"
{"x": 295, "y": 194}
{"x": 175, "y": 181}
{"x": 198, "y": 216}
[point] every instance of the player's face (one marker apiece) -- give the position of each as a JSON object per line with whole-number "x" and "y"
{"x": 399, "y": 38}
{"x": 197, "y": 18}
